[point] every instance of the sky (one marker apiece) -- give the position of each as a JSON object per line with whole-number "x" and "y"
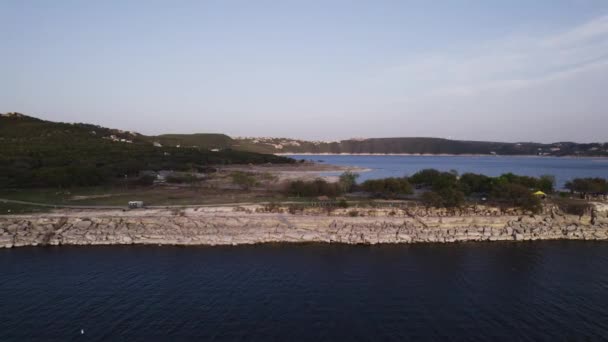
{"x": 325, "y": 70}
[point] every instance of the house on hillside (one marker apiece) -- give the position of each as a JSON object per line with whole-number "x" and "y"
{"x": 136, "y": 204}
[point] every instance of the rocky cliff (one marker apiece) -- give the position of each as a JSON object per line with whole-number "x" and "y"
{"x": 227, "y": 226}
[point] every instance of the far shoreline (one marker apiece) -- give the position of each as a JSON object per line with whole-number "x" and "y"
{"x": 436, "y": 155}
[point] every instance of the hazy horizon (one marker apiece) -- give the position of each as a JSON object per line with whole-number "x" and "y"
{"x": 314, "y": 70}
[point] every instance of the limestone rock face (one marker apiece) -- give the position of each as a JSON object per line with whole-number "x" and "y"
{"x": 225, "y": 227}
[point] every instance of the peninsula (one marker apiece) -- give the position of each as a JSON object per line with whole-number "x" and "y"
{"x": 81, "y": 184}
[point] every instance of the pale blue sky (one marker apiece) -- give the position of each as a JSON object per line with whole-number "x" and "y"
{"x": 480, "y": 70}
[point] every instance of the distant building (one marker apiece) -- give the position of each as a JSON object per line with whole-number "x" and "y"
{"x": 136, "y": 204}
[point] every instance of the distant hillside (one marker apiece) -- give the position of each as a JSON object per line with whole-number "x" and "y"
{"x": 419, "y": 146}
{"x": 198, "y": 140}
{"x": 38, "y": 153}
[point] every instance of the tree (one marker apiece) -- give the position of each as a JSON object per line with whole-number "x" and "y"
{"x": 546, "y": 183}
{"x": 348, "y": 180}
{"x": 517, "y": 195}
{"x": 586, "y": 186}
{"x": 431, "y": 199}
{"x": 471, "y": 183}
{"x": 434, "y": 179}
{"x": 388, "y": 186}
{"x": 452, "y": 198}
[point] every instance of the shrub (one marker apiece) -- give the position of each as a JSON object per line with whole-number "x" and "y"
{"x": 434, "y": 179}
{"x": 448, "y": 198}
{"x": 546, "y": 183}
{"x": 431, "y": 199}
{"x": 388, "y": 186}
{"x": 452, "y": 198}
{"x": 348, "y": 180}
{"x": 243, "y": 179}
{"x": 318, "y": 187}
{"x": 474, "y": 183}
{"x": 588, "y": 185}
{"x": 271, "y": 207}
{"x": 353, "y": 213}
{"x": 425, "y": 177}
{"x": 295, "y": 208}
{"x": 517, "y": 195}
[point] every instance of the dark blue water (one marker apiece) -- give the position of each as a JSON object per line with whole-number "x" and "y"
{"x": 563, "y": 169}
{"x": 474, "y": 291}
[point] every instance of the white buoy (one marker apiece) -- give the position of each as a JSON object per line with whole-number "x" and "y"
{"x": 81, "y": 331}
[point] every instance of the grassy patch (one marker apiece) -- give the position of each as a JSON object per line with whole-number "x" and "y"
{"x": 14, "y": 208}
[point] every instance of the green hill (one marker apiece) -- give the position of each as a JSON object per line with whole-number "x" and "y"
{"x": 38, "y": 153}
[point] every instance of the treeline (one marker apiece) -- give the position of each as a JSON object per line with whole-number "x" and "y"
{"x": 586, "y": 186}
{"x": 37, "y": 153}
{"x": 448, "y": 189}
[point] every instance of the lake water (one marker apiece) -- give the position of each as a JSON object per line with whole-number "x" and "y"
{"x": 466, "y": 291}
{"x": 563, "y": 169}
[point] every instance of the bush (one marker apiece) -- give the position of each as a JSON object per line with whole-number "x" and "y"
{"x": 545, "y": 183}
{"x": 448, "y": 198}
{"x": 517, "y": 195}
{"x": 434, "y": 179}
{"x": 318, "y": 187}
{"x": 452, "y": 198}
{"x": 348, "y": 180}
{"x": 588, "y": 186}
{"x": 471, "y": 183}
{"x": 271, "y": 207}
{"x": 431, "y": 199}
{"x": 243, "y": 179}
{"x": 295, "y": 208}
{"x": 388, "y": 186}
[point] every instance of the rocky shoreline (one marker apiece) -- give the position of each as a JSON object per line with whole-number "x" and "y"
{"x": 238, "y": 225}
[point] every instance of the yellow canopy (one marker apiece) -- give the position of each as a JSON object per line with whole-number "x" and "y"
{"x": 540, "y": 193}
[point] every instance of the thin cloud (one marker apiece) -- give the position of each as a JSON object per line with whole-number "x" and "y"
{"x": 592, "y": 30}
{"x": 505, "y": 63}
